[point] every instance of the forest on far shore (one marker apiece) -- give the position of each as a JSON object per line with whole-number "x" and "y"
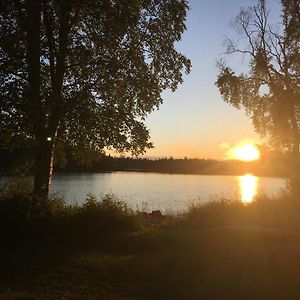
{"x": 21, "y": 162}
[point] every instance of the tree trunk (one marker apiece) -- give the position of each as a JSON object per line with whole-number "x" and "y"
{"x": 43, "y": 168}
{"x": 44, "y": 149}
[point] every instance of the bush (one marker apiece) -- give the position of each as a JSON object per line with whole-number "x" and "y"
{"x": 106, "y": 214}
{"x": 17, "y": 202}
{"x": 109, "y": 204}
{"x": 21, "y": 215}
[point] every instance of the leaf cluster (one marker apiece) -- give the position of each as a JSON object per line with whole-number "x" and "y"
{"x": 270, "y": 90}
{"x": 103, "y": 67}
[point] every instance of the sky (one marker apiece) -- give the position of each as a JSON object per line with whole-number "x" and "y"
{"x": 194, "y": 121}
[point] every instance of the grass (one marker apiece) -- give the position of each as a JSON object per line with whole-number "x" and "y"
{"x": 103, "y": 250}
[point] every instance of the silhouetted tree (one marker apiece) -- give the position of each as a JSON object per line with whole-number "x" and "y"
{"x": 270, "y": 91}
{"x": 85, "y": 72}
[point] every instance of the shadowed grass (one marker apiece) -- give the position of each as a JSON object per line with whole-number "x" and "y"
{"x": 102, "y": 250}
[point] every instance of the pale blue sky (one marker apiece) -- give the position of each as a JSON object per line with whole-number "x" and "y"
{"x": 194, "y": 121}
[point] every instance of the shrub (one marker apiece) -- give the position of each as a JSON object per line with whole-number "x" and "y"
{"x": 17, "y": 202}
{"x": 106, "y": 214}
{"x": 22, "y": 216}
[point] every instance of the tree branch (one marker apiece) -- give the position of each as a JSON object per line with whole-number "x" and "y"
{"x": 50, "y": 39}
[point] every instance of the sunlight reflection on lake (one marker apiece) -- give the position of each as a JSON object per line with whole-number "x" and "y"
{"x": 166, "y": 192}
{"x": 248, "y": 187}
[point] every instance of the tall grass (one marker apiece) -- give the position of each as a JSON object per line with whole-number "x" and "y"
{"x": 281, "y": 212}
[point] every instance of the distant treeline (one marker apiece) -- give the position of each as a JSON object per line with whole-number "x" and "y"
{"x": 183, "y": 166}
{"x": 20, "y": 161}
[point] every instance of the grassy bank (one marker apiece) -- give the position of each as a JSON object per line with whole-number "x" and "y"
{"x": 103, "y": 250}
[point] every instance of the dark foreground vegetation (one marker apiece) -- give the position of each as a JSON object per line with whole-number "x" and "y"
{"x": 103, "y": 250}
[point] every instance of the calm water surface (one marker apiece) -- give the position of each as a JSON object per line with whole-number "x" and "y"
{"x": 167, "y": 192}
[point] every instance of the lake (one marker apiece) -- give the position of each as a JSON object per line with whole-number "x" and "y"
{"x": 167, "y": 192}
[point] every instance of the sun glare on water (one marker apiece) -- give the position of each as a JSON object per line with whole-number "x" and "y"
{"x": 248, "y": 187}
{"x": 246, "y": 152}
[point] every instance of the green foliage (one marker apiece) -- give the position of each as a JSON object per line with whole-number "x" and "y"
{"x": 106, "y": 207}
{"x": 103, "y": 66}
{"x": 18, "y": 205}
{"x": 86, "y": 73}
{"x": 23, "y": 216}
{"x": 15, "y": 201}
{"x": 105, "y": 215}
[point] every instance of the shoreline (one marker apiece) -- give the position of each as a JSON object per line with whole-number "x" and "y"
{"x": 166, "y": 172}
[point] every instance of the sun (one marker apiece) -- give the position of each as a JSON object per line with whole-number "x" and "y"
{"x": 247, "y": 152}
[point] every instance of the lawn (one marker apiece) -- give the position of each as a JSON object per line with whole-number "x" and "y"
{"x": 214, "y": 263}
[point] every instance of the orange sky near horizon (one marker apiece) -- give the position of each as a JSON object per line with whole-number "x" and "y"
{"x": 206, "y": 149}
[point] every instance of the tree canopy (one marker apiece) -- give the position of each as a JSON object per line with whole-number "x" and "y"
{"x": 86, "y": 72}
{"x": 270, "y": 90}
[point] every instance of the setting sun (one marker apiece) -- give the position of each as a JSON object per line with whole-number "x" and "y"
{"x": 246, "y": 152}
